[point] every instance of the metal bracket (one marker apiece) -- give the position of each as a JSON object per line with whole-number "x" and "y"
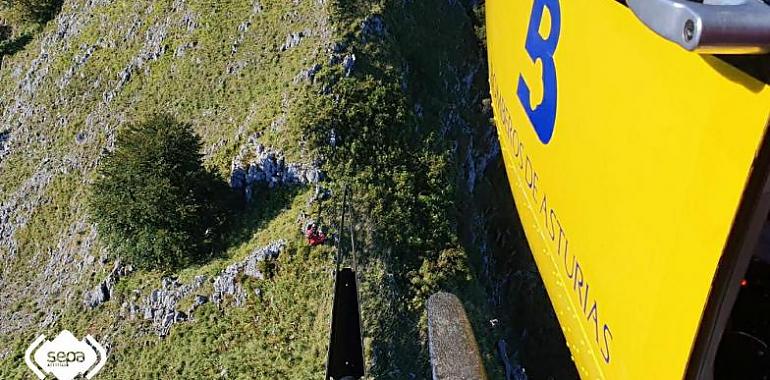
{"x": 714, "y": 26}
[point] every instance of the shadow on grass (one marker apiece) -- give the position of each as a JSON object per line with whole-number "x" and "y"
{"x": 11, "y": 47}
{"x": 41, "y": 11}
{"x": 244, "y": 219}
{"x": 36, "y": 11}
{"x": 527, "y": 320}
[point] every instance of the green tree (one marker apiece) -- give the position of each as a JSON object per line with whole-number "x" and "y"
{"x": 152, "y": 201}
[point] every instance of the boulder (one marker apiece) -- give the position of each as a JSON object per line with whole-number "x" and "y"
{"x": 237, "y": 178}
{"x": 103, "y": 291}
{"x": 292, "y": 40}
{"x": 348, "y": 63}
{"x": 373, "y": 26}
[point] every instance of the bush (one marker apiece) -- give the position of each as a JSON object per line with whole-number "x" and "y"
{"x": 152, "y": 201}
{"x": 448, "y": 272}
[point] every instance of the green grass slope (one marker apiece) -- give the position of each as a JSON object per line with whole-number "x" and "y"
{"x": 399, "y": 86}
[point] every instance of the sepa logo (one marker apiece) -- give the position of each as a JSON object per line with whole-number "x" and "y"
{"x": 541, "y": 48}
{"x": 65, "y": 357}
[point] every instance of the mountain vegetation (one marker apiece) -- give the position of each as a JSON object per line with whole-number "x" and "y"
{"x": 153, "y": 203}
{"x": 123, "y": 122}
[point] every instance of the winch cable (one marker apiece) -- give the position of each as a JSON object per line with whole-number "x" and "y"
{"x": 353, "y": 246}
{"x": 341, "y": 229}
{"x": 318, "y": 212}
{"x": 345, "y": 357}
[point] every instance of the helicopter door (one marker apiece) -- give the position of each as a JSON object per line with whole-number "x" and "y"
{"x": 633, "y": 151}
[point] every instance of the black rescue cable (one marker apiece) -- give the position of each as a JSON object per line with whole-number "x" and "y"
{"x": 346, "y": 356}
{"x": 353, "y": 247}
{"x": 341, "y": 228}
{"x": 317, "y": 219}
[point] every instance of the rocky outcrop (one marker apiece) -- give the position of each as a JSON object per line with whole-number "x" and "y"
{"x": 104, "y": 291}
{"x": 162, "y": 306}
{"x": 348, "y": 63}
{"x": 372, "y": 27}
{"x": 227, "y": 284}
{"x": 292, "y": 40}
{"x": 477, "y": 160}
{"x": 256, "y": 7}
{"x": 308, "y": 75}
{"x": 4, "y": 135}
{"x": 257, "y": 165}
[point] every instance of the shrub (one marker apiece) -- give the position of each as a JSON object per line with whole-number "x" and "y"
{"x": 153, "y": 202}
{"x": 449, "y": 272}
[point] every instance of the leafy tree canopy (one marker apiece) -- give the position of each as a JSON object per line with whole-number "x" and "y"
{"x": 153, "y": 202}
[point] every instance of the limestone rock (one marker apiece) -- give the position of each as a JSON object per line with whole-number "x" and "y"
{"x": 226, "y": 284}
{"x": 104, "y": 291}
{"x": 257, "y": 165}
{"x": 348, "y": 63}
{"x": 373, "y": 26}
{"x": 308, "y": 75}
{"x": 292, "y": 40}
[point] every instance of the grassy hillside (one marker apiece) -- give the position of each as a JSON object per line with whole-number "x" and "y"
{"x": 384, "y": 95}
